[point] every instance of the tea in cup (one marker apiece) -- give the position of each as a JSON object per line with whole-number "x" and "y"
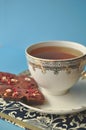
{"x": 56, "y": 65}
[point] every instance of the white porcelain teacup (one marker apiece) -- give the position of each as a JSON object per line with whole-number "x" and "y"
{"x": 56, "y": 74}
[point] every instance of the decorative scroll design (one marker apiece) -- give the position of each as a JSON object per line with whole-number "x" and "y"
{"x": 57, "y": 66}
{"x": 42, "y": 120}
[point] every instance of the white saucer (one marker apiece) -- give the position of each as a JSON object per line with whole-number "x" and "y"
{"x": 73, "y": 101}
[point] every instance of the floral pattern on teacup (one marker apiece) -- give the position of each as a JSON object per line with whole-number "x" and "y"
{"x": 57, "y": 66}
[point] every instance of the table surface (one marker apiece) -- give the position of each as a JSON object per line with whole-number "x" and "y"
{"x": 23, "y": 23}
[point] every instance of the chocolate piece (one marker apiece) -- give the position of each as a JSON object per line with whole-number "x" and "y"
{"x": 20, "y": 88}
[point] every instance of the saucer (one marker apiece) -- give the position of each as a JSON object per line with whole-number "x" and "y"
{"x": 73, "y": 101}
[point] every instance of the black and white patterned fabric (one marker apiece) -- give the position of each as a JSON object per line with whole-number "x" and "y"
{"x": 75, "y": 121}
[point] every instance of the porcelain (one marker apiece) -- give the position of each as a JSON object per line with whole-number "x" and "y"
{"x": 44, "y": 121}
{"x": 56, "y": 76}
{"x": 72, "y": 102}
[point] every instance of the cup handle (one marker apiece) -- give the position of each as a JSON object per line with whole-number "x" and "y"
{"x": 83, "y": 74}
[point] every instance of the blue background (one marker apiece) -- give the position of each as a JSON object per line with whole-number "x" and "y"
{"x": 23, "y": 22}
{"x": 4, "y": 125}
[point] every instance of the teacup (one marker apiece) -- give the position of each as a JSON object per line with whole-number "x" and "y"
{"x": 56, "y": 65}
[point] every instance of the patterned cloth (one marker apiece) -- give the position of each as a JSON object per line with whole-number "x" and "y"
{"x": 75, "y": 121}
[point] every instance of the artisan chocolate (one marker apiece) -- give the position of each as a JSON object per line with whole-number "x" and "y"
{"x": 20, "y": 88}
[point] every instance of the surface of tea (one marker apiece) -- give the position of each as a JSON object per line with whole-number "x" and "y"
{"x": 53, "y": 52}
